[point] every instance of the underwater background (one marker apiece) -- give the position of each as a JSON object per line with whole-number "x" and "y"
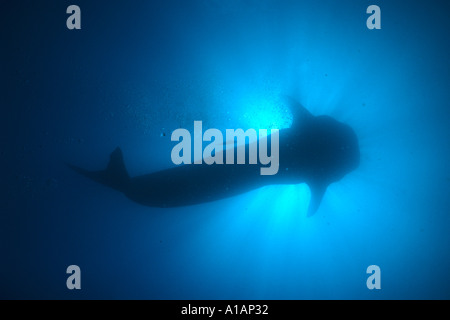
{"x": 137, "y": 70}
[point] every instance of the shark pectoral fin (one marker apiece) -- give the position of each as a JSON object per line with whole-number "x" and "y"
{"x": 299, "y": 113}
{"x": 317, "y": 192}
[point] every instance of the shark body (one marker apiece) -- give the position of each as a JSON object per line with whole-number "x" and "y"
{"x": 316, "y": 150}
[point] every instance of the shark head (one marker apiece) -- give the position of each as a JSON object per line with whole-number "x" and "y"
{"x": 333, "y": 153}
{"x": 333, "y": 147}
{"x": 330, "y": 150}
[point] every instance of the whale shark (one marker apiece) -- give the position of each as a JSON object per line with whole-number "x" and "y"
{"x": 316, "y": 150}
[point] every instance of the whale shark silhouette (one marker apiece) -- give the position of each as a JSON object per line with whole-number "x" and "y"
{"x": 316, "y": 150}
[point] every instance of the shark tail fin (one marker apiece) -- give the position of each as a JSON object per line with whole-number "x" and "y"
{"x": 115, "y": 175}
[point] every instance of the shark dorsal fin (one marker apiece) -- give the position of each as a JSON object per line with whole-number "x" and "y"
{"x": 300, "y": 114}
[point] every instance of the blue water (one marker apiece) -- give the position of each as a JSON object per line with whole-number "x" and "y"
{"x": 137, "y": 71}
